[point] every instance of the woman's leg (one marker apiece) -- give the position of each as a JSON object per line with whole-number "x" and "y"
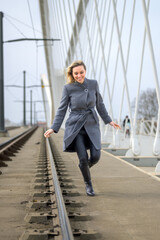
{"x": 81, "y": 148}
{"x": 83, "y": 160}
{"x": 94, "y": 154}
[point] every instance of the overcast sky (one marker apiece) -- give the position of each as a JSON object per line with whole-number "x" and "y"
{"x": 22, "y": 56}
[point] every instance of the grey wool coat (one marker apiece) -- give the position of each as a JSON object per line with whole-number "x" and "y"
{"x": 81, "y": 100}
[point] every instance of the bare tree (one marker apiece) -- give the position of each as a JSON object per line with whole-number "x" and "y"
{"x": 147, "y": 104}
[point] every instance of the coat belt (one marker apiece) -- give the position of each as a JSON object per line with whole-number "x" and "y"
{"x": 85, "y": 112}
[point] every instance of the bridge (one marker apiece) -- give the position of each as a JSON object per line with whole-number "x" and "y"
{"x": 119, "y": 43}
{"x": 115, "y": 41}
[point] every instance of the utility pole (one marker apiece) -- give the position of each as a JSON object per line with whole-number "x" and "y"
{"x": 34, "y": 113}
{"x": 24, "y": 98}
{"x": 31, "y": 107}
{"x": 3, "y": 131}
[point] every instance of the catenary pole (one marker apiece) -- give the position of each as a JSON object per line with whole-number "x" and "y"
{"x": 31, "y": 107}
{"x": 2, "y": 123}
{"x": 24, "y": 98}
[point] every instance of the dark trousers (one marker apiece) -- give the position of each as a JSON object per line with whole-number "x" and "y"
{"x": 82, "y": 141}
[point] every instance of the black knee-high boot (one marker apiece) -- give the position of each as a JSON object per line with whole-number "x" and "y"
{"x": 87, "y": 179}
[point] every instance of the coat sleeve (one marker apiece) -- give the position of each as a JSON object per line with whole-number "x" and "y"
{"x": 61, "y": 111}
{"x": 101, "y": 107}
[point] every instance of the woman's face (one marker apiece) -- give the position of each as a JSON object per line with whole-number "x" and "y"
{"x": 79, "y": 73}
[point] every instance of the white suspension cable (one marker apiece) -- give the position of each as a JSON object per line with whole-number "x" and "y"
{"x": 156, "y": 145}
{"x": 103, "y": 58}
{"x": 93, "y": 34}
{"x": 74, "y": 40}
{"x": 60, "y": 28}
{"x": 151, "y": 51}
{"x": 121, "y": 29}
{"x": 66, "y": 24}
{"x": 128, "y": 52}
{"x": 89, "y": 41}
{"x": 140, "y": 73}
{"x": 123, "y": 64}
{"x": 110, "y": 44}
{"x": 98, "y": 45}
{"x": 63, "y": 32}
{"x": 61, "y": 57}
{"x": 77, "y": 30}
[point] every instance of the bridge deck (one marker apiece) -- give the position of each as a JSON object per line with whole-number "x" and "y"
{"x": 127, "y": 201}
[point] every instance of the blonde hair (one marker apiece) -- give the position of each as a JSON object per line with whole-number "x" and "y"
{"x": 69, "y": 74}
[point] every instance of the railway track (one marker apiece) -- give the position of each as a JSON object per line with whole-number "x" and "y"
{"x": 12, "y": 127}
{"x": 49, "y": 211}
{"x": 10, "y": 147}
{"x": 70, "y": 197}
{"x": 42, "y": 195}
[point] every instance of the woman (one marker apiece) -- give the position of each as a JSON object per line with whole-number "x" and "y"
{"x": 82, "y": 127}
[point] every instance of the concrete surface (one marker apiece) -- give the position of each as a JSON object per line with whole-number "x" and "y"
{"x": 127, "y": 201}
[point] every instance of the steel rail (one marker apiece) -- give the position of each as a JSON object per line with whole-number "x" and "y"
{"x": 63, "y": 217}
{"x": 2, "y": 145}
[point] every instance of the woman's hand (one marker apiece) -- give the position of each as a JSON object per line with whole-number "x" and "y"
{"x": 115, "y": 125}
{"x": 48, "y": 133}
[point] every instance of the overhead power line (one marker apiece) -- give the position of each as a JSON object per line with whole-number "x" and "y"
{"x": 6, "y": 15}
{"x": 31, "y": 19}
{"x": 34, "y": 37}
{"x": 13, "y": 77}
{"x": 15, "y": 27}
